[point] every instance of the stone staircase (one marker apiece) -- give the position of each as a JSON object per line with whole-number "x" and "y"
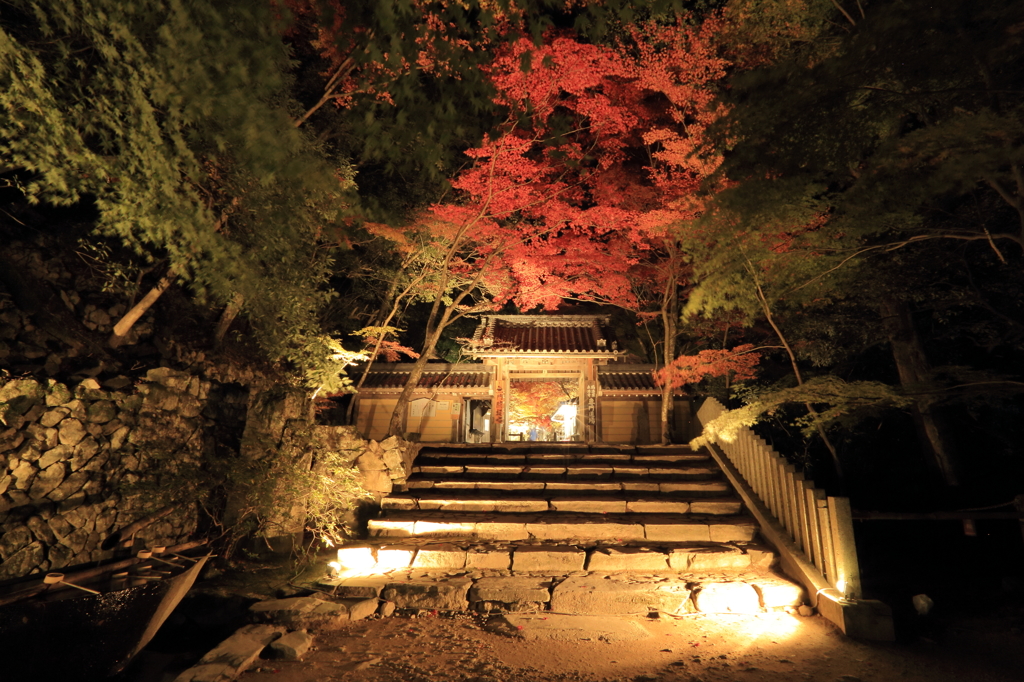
{"x": 567, "y": 528}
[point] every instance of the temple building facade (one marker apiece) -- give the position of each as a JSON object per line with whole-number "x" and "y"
{"x": 536, "y": 378}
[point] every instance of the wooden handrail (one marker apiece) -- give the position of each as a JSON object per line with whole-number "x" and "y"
{"x": 812, "y": 531}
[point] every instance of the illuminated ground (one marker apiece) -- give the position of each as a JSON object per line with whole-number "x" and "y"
{"x": 688, "y": 649}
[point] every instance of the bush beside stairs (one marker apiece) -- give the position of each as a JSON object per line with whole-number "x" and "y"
{"x": 578, "y": 529}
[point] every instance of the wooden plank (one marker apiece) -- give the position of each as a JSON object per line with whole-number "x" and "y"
{"x": 845, "y": 547}
{"x": 803, "y": 535}
{"x": 815, "y": 551}
{"x": 825, "y": 525}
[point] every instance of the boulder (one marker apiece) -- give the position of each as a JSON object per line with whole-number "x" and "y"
{"x": 71, "y": 432}
{"x": 292, "y": 646}
{"x": 312, "y": 614}
{"x": 47, "y": 480}
{"x": 22, "y": 562}
{"x": 233, "y": 656}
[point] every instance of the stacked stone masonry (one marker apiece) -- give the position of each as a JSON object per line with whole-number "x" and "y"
{"x": 77, "y": 464}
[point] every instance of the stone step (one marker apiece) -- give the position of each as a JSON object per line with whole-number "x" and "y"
{"x": 565, "y": 526}
{"x": 715, "y": 487}
{"x": 454, "y": 578}
{"x": 363, "y": 567}
{"x": 442, "y": 458}
{"x": 558, "y": 501}
{"x": 544, "y": 472}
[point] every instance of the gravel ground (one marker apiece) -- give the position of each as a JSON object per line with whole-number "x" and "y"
{"x": 694, "y": 648}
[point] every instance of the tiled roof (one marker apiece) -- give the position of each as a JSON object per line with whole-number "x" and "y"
{"x": 636, "y": 379}
{"x": 543, "y": 334}
{"x": 394, "y": 378}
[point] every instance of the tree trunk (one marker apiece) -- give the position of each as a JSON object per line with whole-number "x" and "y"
{"x": 397, "y": 426}
{"x": 915, "y": 373}
{"x": 228, "y": 316}
{"x": 125, "y": 324}
{"x": 670, "y": 321}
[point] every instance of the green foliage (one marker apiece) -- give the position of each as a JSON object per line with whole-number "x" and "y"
{"x": 842, "y": 402}
{"x": 173, "y": 117}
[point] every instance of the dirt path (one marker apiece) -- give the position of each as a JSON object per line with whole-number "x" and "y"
{"x": 776, "y": 648}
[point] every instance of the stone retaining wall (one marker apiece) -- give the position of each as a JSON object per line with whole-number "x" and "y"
{"x": 79, "y": 463}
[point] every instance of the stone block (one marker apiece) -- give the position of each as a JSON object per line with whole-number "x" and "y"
{"x": 440, "y": 556}
{"x": 590, "y": 506}
{"x": 584, "y": 487}
{"x": 493, "y": 560}
{"x": 508, "y": 590}
{"x": 358, "y": 588}
{"x": 71, "y": 432}
{"x": 627, "y": 559}
{"x": 444, "y": 529}
{"x": 658, "y": 507}
{"x": 522, "y": 506}
{"x": 732, "y": 532}
{"x": 595, "y": 595}
{"x": 716, "y": 507}
{"x": 545, "y": 559}
{"x": 233, "y": 656}
{"x": 393, "y": 558}
{"x": 727, "y": 598}
{"x": 640, "y": 486}
{"x": 678, "y": 532}
{"x": 47, "y": 480}
{"x": 356, "y": 557}
{"x": 708, "y": 559}
{"x": 443, "y": 595}
{"x": 376, "y": 481}
{"x": 488, "y": 530}
{"x": 389, "y": 528}
{"x": 311, "y": 613}
{"x": 292, "y": 646}
{"x": 779, "y": 594}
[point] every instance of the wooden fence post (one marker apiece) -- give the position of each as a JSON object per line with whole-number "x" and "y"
{"x": 847, "y": 568}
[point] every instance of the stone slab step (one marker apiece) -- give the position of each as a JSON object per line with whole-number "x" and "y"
{"x": 364, "y": 568}
{"x": 547, "y": 471}
{"x": 714, "y": 487}
{"x": 554, "y": 458}
{"x": 563, "y": 526}
{"x": 596, "y": 594}
{"x": 559, "y": 501}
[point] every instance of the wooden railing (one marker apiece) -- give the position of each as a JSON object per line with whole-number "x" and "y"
{"x": 812, "y": 531}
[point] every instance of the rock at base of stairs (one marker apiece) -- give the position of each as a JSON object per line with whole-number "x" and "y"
{"x": 779, "y": 594}
{"x": 727, "y": 598}
{"x": 440, "y": 595}
{"x": 603, "y": 595}
{"x": 310, "y": 613}
{"x": 233, "y": 656}
{"x": 292, "y": 646}
{"x": 511, "y": 590}
{"x": 569, "y": 628}
{"x": 355, "y": 588}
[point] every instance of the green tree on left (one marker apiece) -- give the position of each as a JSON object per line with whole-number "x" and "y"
{"x": 173, "y": 118}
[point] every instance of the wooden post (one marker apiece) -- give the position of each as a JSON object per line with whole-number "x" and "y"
{"x": 847, "y": 568}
